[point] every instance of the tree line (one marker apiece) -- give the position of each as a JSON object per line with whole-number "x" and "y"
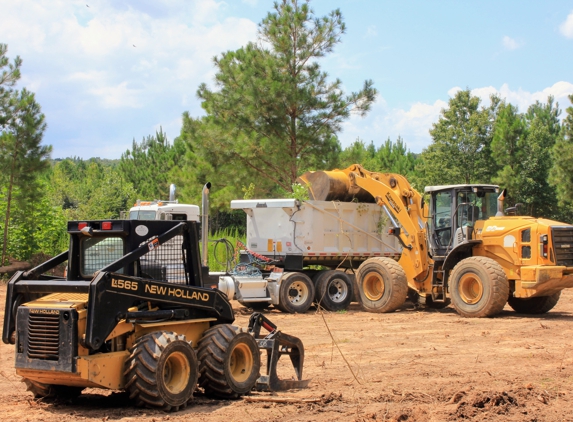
{"x": 272, "y": 115}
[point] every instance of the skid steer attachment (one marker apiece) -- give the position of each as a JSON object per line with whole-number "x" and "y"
{"x": 277, "y": 343}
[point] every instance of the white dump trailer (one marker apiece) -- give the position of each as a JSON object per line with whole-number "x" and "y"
{"x": 299, "y": 240}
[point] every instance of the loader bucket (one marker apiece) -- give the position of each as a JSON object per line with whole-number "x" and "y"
{"x": 277, "y": 344}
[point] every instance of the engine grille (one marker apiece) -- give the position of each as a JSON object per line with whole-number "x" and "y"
{"x": 44, "y": 336}
{"x": 563, "y": 245}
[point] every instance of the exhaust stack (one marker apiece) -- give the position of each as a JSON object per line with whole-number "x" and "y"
{"x": 500, "y": 200}
{"x": 205, "y": 223}
{"x": 171, "y": 192}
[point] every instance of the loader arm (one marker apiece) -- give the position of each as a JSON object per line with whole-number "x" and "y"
{"x": 403, "y": 206}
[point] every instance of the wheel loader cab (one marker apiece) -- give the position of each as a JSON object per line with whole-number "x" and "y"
{"x": 454, "y": 210}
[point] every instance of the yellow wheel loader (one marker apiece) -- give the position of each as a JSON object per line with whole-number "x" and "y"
{"x": 132, "y": 314}
{"x": 461, "y": 247}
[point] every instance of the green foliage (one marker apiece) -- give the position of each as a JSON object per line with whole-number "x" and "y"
{"x": 298, "y": 192}
{"x": 148, "y": 164}
{"x": 274, "y": 113}
{"x": 561, "y": 174}
{"x": 390, "y": 157}
{"x": 22, "y": 158}
{"x": 89, "y": 189}
{"x": 461, "y": 143}
{"x": 248, "y": 192}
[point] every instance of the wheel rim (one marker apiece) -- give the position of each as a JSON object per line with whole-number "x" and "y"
{"x": 176, "y": 372}
{"x": 337, "y": 290}
{"x": 470, "y": 288}
{"x": 373, "y": 286}
{"x": 298, "y": 292}
{"x": 241, "y": 362}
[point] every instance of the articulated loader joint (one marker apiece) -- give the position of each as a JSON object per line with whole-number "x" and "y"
{"x": 277, "y": 344}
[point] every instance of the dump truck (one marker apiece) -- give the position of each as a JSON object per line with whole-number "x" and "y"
{"x": 120, "y": 319}
{"x": 298, "y": 252}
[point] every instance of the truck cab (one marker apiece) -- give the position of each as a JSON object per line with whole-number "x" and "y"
{"x": 163, "y": 210}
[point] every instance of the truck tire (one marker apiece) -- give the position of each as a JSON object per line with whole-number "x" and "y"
{"x": 161, "y": 371}
{"x": 45, "y": 391}
{"x": 334, "y": 290}
{"x": 534, "y": 305}
{"x": 230, "y": 362}
{"x": 296, "y": 293}
{"x": 382, "y": 285}
{"x": 478, "y": 287}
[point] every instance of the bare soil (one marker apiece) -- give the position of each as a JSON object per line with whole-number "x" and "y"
{"x": 410, "y": 365}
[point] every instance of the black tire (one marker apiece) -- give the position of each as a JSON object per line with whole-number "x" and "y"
{"x": 382, "y": 285}
{"x": 534, "y": 305}
{"x": 334, "y": 290}
{"x": 230, "y": 362}
{"x": 478, "y": 287}
{"x": 50, "y": 391}
{"x": 161, "y": 371}
{"x": 296, "y": 293}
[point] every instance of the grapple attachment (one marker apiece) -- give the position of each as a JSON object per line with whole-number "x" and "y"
{"x": 277, "y": 344}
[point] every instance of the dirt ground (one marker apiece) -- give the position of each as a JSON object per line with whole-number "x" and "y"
{"x": 410, "y": 365}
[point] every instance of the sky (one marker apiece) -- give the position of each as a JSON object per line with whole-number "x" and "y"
{"x": 106, "y": 72}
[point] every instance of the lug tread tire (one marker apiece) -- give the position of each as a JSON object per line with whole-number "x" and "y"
{"x": 322, "y": 283}
{"x": 395, "y": 285}
{"x": 285, "y": 304}
{"x": 213, "y": 352}
{"x": 496, "y": 294}
{"x": 142, "y": 366}
{"x": 534, "y": 305}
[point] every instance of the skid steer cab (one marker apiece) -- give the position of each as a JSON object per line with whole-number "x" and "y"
{"x": 132, "y": 314}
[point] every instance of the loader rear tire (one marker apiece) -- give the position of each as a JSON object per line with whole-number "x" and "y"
{"x": 534, "y": 305}
{"x": 50, "y": 391}
{"x": 161, "y": 371}
{"x": 334, "y": 290}
{"x": 296, "y": 293}
{"x": 230, "y": 362}
{"x": 478, "y": 287}
{"x": 382, "y": 285}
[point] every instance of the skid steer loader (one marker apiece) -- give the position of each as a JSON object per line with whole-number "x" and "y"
{"x": 132, "y": 314}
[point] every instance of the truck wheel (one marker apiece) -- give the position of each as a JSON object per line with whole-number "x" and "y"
{"x": 478, "y": 287}
{"x": 534, "y": 305}
{"x": 161, "y": 371}
{"x": 296, "y": 293}
{"x": 41, "y": 390}
{"x": 230, "y": 362}
{"x": 382, "y": 285}
{"x": 334, "y": 290}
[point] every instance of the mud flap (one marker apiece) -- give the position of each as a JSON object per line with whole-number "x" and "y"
{"x": 277, "y": 344}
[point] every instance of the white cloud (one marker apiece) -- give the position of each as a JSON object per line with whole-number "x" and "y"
{"x": 82, "y": 64}
{"x": 566, "y": 27}
{"x": 414, "y": 123}
{"x": 510, "y": 43}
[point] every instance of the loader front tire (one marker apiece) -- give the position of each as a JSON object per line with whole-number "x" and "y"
{"x": 230, "y": 362}
{"x": 534, "y": 305}
{"x": 478, "y": 287}
{"x": 161, "y": 371}
{"x": 296, "y": 293}
{"x": 50, "y": 391}
{"x": 382, "y": 285}
{"x": 334, "y": 290}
